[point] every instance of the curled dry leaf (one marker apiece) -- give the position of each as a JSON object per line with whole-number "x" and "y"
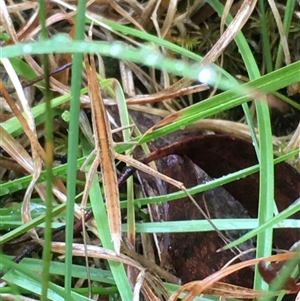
{"x": 193, "y": 256}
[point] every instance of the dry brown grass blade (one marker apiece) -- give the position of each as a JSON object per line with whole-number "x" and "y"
{"x": 15, "y": 150}
{"x": 31, "y": 134}
{"x": 7, "y": 163}
{"x": 149, "y": 264}
{"x": 232, "y": 291}
{"x": 154, "y": 288}
{"x": 232, "y": 30}
{"x": 22, "y": 121}
{"x": 283, "y": 37}
{"x": 148, "y": 292}
{"x": 18, "y": 7}
{"x": 27, "y": 27}
{"x": 7, "y": 22}
{"x": 234, "y": 27}
{"x": 92, "y": 251}
{"x": 125, "y": 14}
{"x": 145, "y": 19}
{"x": 207, "y": 285}
{"x": 105, "y": 154}
{"x": 144, "y": 99}
{"x": 172, "y": 8}
{"x": 19, "y": 154}
{"x": 138, "y": 285}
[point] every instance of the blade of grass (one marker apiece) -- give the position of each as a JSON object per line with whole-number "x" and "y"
{"x": 73, "y": 142}
{"x": 266, "y": 175}
{"x": 267, "y": 55}
{"x": 33, "y": 223}
{"x": 221, "y": 224}
{"x": 273, "y": 81}
{"x": 58, "y": 170}
{"x": 49, "y": 160}
{"x": 266, "y": 188}
{"x": 223, "y": 101}
{"x": 288, "y": 14}
{"x": 295, "y": 207}
{"x": 33, "y": 286}
{"x": 124, "y": 118}
{"x": 58, "y": 268}
{"x": 101, "y": 219}
{"x": 8, "y": 263}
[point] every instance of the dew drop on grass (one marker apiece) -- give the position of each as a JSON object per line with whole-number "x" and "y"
{"x": 82, "y": 46}
{"x": 207, "y": 75}
{"x": 152, "y": 58}
{"x": 149, "y": 55}
{"x": 116, "y": 49}
{"x": 27, "y": 48}
{"x": 179, "y": 67}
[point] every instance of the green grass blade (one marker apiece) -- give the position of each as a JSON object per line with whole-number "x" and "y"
{"x": 294, "y": 208}
{"x": 267, "y": 55}
{"x": 33, "y": 223}
{"x": 73, "y": 142}
{"x": 125, "y": 122}
{"x": 266, "y": 188}
{"x": 266, "y": 182}
{"x": 36, "y": 278}
{"x": 49, "y": 160}
{"x": 221, "y": 224}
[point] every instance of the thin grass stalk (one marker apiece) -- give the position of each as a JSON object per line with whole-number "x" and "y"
{"x": 250, "y": 123}
{"x": 266, "y": 188}
{"x": 267, "y": 55}
{"x": 7, "y": 262}
{"x": 288, "y": 14}
{"x": 73, "y": 142}
{"x": 49, "y": 160}
{"x": 125, "y": 122}
{"x": 292, "y": 209}
{"x": 33, "y": 223}
{"x": 58, "y": 268}
{"x": 266, "y": 185}
{"x": 204, "y": 226}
